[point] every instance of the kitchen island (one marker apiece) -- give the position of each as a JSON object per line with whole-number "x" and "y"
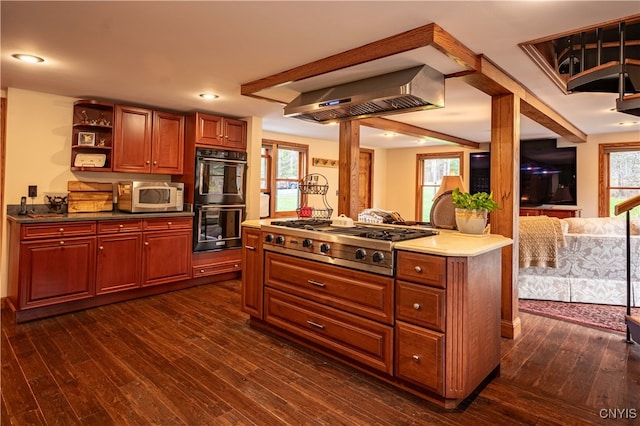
{"x": 430, "y": 325}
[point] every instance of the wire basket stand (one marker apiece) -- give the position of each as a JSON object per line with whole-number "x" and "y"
{"x": 314, "y": 184}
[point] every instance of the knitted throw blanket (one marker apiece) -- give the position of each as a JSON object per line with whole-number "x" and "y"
{"x": 540, "y": 237}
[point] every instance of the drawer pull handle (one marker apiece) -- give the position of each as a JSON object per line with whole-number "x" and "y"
{"x": 315, "y": 324}
{"x": 169, "y": 223}
{"x": 250, "y": 247}
{"x": 418, "y": 269}
{"x": 61, "y": 229}
{"x": 316, "y": 283}
{"x": 417, "y": 306}
{"x": 416, "y": 358}
{"x": 61, "y": 243}
{"x": 121, "y": 226}
{"x": 236, "y": 266}
{"x": 202, "y": 271}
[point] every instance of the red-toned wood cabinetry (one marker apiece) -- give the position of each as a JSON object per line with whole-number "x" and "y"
{"x": 92, "y": 136}
{"x": 223, "y": 132}
{"x": 119, "y": 255}
{"x": 56, "y": 269}
{"x": 252, "y": 294}
{"x": 64, "y": 266}
{"x": 147, "y": 141}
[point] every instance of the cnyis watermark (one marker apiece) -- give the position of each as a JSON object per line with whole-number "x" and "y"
{"x": 618, "y": 413}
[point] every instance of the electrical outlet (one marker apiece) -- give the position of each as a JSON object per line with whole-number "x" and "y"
{"x": 33, "y": 191}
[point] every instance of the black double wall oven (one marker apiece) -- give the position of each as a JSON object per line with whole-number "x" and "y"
{"x": 219, "y": 199}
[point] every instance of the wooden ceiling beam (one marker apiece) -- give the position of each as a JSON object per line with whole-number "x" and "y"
{"x": 426, "y": 35}
{"x": 493, "y": 81}
{"x": 411, "y": 130}
{"x": 480, "y": 73}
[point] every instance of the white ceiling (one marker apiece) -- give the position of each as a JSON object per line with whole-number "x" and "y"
{"x": 164, "y": 54}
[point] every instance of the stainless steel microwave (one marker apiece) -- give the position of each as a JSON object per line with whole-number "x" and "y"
{"x": 144, "y": 197}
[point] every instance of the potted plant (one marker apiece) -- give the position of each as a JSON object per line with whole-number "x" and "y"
{"x": 472, "y": 210}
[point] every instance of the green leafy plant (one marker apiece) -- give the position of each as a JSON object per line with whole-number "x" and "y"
{"x": 477, "y": 201}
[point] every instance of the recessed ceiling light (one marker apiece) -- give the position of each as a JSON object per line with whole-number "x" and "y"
{"x": 628, "y": 123}
{"x": 32, "y": 59}
{"x": 208, "y": 96}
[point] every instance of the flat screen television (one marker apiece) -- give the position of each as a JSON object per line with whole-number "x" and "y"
{"x": 547, "y": 173}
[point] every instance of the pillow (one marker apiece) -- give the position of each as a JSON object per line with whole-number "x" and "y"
{"x": 597, "y": 225}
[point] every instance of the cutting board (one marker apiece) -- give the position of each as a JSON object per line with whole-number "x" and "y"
{"x": 89, "y": 197}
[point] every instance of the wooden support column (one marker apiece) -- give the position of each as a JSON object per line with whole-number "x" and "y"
{"x": 505, "y": 184}
{"x": 349, "y": 156}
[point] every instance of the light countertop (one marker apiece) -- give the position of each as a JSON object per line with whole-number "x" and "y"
{"x": 446, "y": 243}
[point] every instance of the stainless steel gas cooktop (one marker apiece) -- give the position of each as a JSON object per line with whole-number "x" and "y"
{"x": 364, "y": 247}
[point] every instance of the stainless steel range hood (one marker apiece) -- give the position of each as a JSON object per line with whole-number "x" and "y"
{"x": 413, "y": 89}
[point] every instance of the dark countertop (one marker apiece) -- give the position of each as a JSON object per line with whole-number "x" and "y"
{"x": 41, "y": 215}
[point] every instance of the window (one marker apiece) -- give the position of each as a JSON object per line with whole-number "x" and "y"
{"x": 282, "y": 166}
{"x": 431, "y": 169}
{"x": 619, "y": 166}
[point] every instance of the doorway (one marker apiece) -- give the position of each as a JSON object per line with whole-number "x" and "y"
{"x": 365, "y": 179}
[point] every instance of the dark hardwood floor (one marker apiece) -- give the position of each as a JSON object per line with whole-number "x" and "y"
{"x": 190, "y": 357}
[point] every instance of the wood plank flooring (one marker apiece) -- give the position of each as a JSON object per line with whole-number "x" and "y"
{"x": 190, "y": 358}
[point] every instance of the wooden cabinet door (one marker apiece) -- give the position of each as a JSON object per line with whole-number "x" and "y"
{"x": 252, "y": 281}
{"x": 167, "y": 143}
{"x": 132, "y": 139}
{"x": 118, "y": 262}
{"x": 166, "y": 256}
{"x": 235, "y": 134}
{"x": 208, "y": 129}
{"x": 57, "y": 270}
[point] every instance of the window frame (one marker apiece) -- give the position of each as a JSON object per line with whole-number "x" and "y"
{"x": 420, "y": 158}
{"x": 272, "y": 147}
{"x": 604, "y": 187}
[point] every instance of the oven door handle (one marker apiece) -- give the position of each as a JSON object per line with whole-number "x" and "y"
{"x": 221, "y": 160}
{"x": 222, "y": 206}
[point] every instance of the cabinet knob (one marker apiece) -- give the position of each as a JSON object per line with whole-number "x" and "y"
{"x": 416, "y": 358}
{"x": 146, "y": 243}
{"x": 417, "y": 306}
{"x": 101, "y": 248}
{"x": 155, "y": 163}
{"x": 202, "y": 271}
{"x": 418, "y": 269}
{"x": 61, "y": 243}
{"x": 169, "y": 223}
{"x": 121, "y": 226}
{"x": 148, "y": 162}
{"x": 236, "y": 266}
{"x": 61, "y": 229}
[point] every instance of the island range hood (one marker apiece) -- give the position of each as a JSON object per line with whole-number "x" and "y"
{"x": 413, "y": 89}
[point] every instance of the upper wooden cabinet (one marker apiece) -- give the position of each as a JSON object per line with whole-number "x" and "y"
{"x": 212, "y": 130}
{"x": 147, "y": 141}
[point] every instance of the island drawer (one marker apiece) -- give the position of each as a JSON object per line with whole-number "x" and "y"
{"x": 420, "y": 356}
{"x": 420, "y": 305}
{"x": 57, "y": 230}
{"x": 361, "y": 293}
{"x": 118, "y": 226}
{"x": 364, "y": 341}
{"x": 421, "y": 268}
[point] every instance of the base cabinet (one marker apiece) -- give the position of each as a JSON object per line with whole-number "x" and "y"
{"x": 252, "y": 284}
{"x": 433, "y": 329}
{"x": 60, "y": 267}
{"x": 57, "y": 270}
